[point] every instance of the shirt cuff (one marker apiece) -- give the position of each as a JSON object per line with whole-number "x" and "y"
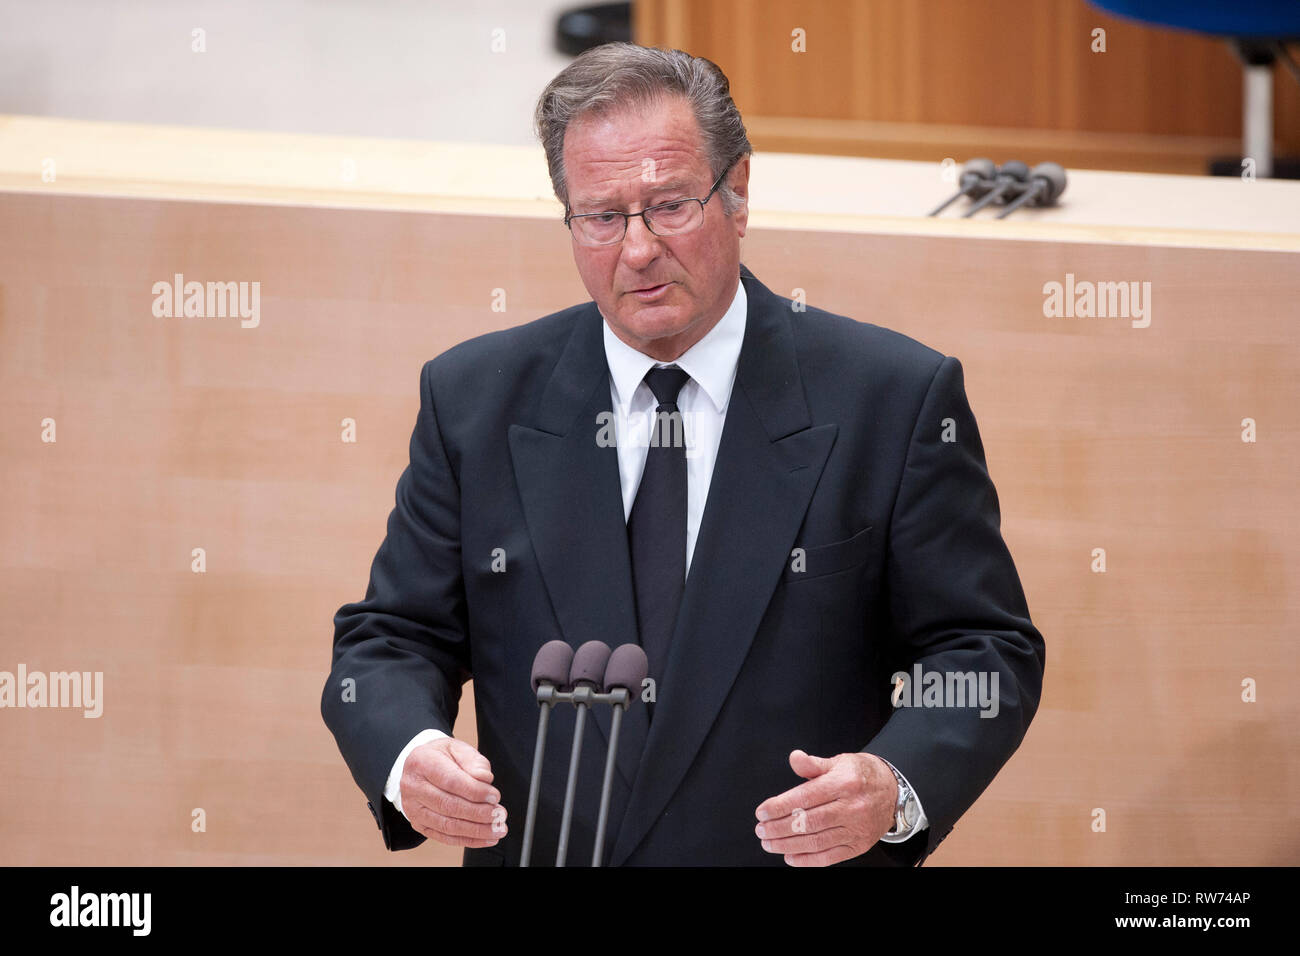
{"x": 921, "y": 822}
{"x": 393, "y": 788}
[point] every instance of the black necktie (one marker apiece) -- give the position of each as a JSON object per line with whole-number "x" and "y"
{"x": 656, "y": 528}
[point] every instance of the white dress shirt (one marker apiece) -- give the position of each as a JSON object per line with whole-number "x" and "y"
{"x": 711, "y": 364}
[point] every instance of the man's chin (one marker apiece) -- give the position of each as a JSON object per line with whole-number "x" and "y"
{"x": 654, "y": 322}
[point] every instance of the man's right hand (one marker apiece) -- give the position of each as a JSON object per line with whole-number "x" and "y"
{"x": 447, "y": 794}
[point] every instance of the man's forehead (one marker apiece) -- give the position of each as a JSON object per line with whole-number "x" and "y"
{"x": 611, "y": 181}
{"x": 655, "y": 148}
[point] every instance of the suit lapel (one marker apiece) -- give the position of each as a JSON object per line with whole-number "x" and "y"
{"x": 768, "y": 465}
{"x": 573, "y": 506}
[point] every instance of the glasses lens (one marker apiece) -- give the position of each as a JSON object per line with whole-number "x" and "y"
{"x": 675, "y": 218}
{"x": 601, "y": 229}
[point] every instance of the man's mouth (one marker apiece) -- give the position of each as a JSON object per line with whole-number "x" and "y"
{"x": 651, "y": 289}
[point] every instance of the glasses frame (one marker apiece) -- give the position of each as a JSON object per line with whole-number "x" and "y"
{"x": 628, "y": 216}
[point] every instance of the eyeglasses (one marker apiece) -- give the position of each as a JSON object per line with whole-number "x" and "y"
{"x": 666, "y": 219}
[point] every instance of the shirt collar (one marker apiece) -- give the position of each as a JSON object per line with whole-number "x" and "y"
{"x": 711, "y": 361}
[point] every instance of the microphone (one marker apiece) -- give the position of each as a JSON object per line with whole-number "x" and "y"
{"x": 587, "y": 672}
{"x": 551, "y": 669}
{"x": 623, "y": 676}
{"x": 1010, "y": 180}
{"x": 976, "y": 180}
{"x": 1047, "y": 182}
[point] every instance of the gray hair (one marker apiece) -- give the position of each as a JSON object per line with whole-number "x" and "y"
{"x": 614, "y": 76}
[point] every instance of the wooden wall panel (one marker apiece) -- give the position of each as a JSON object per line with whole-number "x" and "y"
{"x": 183, "y": 433}
{"x": 925, "y": 79}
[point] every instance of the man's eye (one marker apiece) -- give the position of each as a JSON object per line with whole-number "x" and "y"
{"x": 605, "y": 218}
{"x": 671, "y": 207}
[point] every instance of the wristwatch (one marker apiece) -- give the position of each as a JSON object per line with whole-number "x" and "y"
{"x": 907, "y": 811}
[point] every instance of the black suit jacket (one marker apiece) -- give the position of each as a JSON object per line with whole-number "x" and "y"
{"x": 833, "y": 443}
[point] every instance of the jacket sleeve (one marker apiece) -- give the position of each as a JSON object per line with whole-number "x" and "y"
{"x": 401, "y": 655}
{"x": 956, "y": 607}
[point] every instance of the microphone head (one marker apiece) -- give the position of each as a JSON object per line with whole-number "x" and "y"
{"x": 977, "y": 177}
{"x": 1014, "y": 169}
{"x": 552, "y": 664}
{"x": 589, "y": 664}
{"x": 1053, "y": 177}
{"x": 983, "y": 168}
{"x": 627, "y": 668}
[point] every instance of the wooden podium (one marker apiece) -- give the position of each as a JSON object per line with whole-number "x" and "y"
{"x": 216, "y": 489}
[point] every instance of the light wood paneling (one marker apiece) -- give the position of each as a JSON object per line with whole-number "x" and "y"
{"x": 925, "y": 79}
{"x": 178, "y": 433}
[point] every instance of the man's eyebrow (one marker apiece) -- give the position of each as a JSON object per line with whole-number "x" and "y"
{"x": 654, "y": 190}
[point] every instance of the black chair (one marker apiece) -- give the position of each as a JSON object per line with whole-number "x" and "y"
{"x": 585, "y": 27}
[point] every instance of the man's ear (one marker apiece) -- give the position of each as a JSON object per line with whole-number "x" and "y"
{"x": 738, "y": 179}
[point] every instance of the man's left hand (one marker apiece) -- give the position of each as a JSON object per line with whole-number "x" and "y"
{"x": 846, "y": 806}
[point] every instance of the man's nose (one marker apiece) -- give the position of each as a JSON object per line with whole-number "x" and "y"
{"x": 640, "y": 245}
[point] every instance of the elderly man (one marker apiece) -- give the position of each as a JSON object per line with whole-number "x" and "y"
{"x": 826, "y": 533}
